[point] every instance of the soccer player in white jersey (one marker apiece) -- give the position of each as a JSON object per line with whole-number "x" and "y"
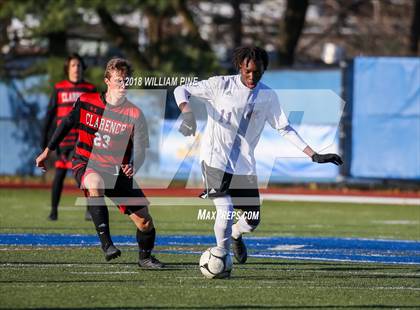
{"x": 238, "y": 106}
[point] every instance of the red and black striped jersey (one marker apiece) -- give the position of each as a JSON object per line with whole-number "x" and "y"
{"x": 64, "y": 95}
{"x": 108, "y": 135}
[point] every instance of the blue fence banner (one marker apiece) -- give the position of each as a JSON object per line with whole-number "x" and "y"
{"x": 386, "y": 118}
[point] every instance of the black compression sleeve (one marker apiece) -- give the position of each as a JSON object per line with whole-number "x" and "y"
{"x": 70, "y": 121}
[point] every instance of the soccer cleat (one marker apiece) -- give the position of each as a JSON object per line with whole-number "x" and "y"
{"x": 88, "y": 216}
{"x": 53, "y": 216}
{"x": 111, "y": 252}
{"x": 239, "y": 250}
{"x": 150, "y": 262}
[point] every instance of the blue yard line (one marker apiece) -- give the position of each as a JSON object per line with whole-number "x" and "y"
{"x": 296, "y": 248}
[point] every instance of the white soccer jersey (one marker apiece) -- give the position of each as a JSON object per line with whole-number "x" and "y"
{"x": 236, "y": 116}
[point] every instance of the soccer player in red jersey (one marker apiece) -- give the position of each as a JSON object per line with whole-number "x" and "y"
{"x": 111, "y": 146}
{"x": 64, "y": 95}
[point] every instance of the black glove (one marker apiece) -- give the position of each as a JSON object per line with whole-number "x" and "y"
{"x": 327, "y": 158}
{"x": 188, "y": 125}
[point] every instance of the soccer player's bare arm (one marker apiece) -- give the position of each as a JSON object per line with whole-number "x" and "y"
{"x": 309, "y": 151}
{"x": 40, "y": 160}
{"x": 184, "y": 107}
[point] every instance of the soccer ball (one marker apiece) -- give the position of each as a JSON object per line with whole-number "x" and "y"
{"x": 216, "y": 263}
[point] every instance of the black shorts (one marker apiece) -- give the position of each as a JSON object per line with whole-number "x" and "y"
{"x": 123, "y": 191}
{"x": 243, "y": 189}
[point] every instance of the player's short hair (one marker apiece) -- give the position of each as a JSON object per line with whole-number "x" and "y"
{"x": 120, "y": 65}
{"x": 248, "y": 53}
{"x": 70, "y": 58}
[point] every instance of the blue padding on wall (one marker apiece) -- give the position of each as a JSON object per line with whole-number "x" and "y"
{"x": 315, "y": 91}
{"x": 386, "y": 118}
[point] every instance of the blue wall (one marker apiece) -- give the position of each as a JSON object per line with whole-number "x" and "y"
{"x": 310, "y": 98}
{"x": 386, "y": 118}
{"x": 21, "y": 111}
{"x": 385, "y": 122}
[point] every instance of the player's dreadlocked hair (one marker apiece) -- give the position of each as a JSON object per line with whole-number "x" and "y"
{"x": 249, "y": 53}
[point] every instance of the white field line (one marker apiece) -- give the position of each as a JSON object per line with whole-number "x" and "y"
{"x": 59, "y": 265}
{"x": 104, "y": 272}
{"x": 194, "y": 201}
{"x": 128, "y": 266}
{"x": 93, "y": 267}
{"x": 160, "y": 201}
{"x": 401, "y": 222}
{"x": 291, "y": 247}
{"x": 343, "y": 199}
{"x": 195, "y": 287}
{"x": 80, "y": 202}
{"x": 331, "y": 259}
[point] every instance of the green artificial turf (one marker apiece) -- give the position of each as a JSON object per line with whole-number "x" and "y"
{"x": 25, "y": 211}
{"x": 79, "y": 278}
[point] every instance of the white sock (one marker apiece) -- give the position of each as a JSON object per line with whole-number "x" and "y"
{"x": 241, "y": 227}
{"x": 224, "y": 221}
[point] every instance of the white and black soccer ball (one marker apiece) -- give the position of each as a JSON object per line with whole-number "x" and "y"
{"x": 216, "y": 263}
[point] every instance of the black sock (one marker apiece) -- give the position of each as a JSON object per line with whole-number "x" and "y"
{"x": 146, "y": 241}
{"x": 57, "y": 188}
{"x": 100, "y": 218}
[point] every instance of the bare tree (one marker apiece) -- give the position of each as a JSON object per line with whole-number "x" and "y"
{"x": 415, "y": 29}
{"x": 57, "y": 45}
{"x": 237, "y": 22}
{"x": 122, "y": 40}
{"x": 181, "y": 9}
{"x": 292, "y": 26}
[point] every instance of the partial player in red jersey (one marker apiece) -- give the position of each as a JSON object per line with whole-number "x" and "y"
{"x": 64, "y": 95}
{"x": 111, "y": 146}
